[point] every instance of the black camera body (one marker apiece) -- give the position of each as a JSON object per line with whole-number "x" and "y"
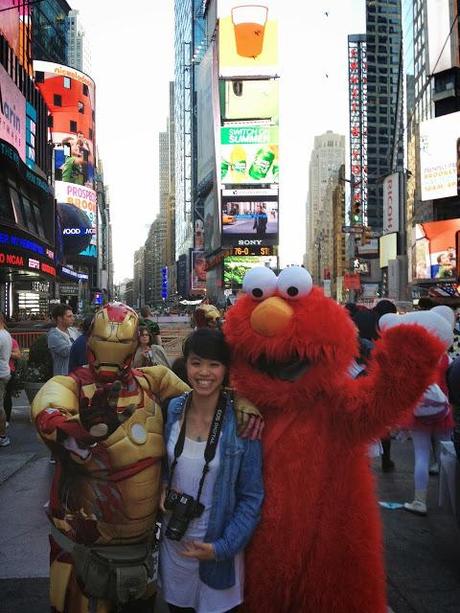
{"x": 183, "y": 509}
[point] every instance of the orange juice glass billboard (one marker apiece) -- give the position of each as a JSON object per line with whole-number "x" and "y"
{"x": 249, "y": 24}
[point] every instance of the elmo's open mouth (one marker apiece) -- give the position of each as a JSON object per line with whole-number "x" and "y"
{"x": 287, "y": 370}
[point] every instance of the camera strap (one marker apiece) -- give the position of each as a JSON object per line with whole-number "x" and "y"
{"x": 211, "y": 445}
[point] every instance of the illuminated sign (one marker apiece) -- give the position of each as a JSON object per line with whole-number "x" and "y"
{"x": 164, "y": 282}
{"x": 50, "y": 270}
{"x": 34, "y": 263}
{"x": 77, "y": 208}
{"x": 249, "y": 222}
{"x": 20, "y": 261}
{"x": 249, "y": 154}
{"x": 236, "y": 267}
{"x": 24, "y": 243}
{"x": 434, "y": 249}
{"x": 391, "y": 204}
{"x": 388, "y": 248}
{"x": 70, "y": 272}
{"x": 440, "y": 156}
{"x": 357, "y": 83}
{"x": 248, "y": 39}
{"x": 12, "y": 114}
{"x": 247, "y": 99}
{"x": 252, "y": 250}
{"x": 198, "y": 272}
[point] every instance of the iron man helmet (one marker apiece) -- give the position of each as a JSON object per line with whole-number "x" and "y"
{"x": 112, "y": 341}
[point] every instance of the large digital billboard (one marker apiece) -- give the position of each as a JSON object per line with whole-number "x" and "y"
{"x": 236, "y": 267}
{"x": 70, "y": 96}
{"x": 12, "y": 114}
{"x": 249, "y": 154}
{"x": 433, "y": 250}
{"x": 440, "y": 156}
{"x": 388, "y": 248}
{"x": 248, "y": 38}
{"x": 249, "y": 219}
{"x": 198, "y": 272}
{"x": 243, "y": 99}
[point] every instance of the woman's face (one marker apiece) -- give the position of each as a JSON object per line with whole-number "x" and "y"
{"x": 144, "y": 338}
{"x": 205, "y": 376}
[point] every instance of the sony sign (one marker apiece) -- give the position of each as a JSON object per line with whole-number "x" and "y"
{"x": 250, "y": 242}
{"x": 391, "y": 204}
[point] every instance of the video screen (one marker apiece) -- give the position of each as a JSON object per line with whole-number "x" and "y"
{"x": 252, "y": 219}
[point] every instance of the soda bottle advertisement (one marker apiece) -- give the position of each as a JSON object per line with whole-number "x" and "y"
{"x": 249, "y": 155}
{"x": 248, "y": 38}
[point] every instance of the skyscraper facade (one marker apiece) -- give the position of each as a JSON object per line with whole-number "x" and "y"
{"x": 327, "y": 156}
{"x": 49, "y": 30}
{"x": 78, "y": 51}
{"x": 384, "y": 40}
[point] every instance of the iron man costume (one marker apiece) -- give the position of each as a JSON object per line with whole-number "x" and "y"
{"x": 104, "y": 425}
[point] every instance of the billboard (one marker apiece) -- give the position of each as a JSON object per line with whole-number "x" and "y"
{"x": 198, "y": 272}
{"x": 9, "y": 22}
{"x": 249, "y": 219}
{"x": 388, "y": 248}
{"x": 12, "y": 114}
{"x": 248, "y": 38}
{"x": 442, "y": 37}
{"x": 77, "y": 208}
{"x": 439, "y": 156}
{"x": 249, "y": 154}
{"x": 391, "y": 204}
{"x": 433, "y": 250}
{"x": 248, "y": 99}
{"x": 236, "y": 267}
{"x": 205, "y": 136}
{"x": 70, "y": 96}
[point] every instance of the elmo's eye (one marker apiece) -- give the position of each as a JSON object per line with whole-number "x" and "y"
{"x": 259, "y": 283}
{"x": 294, "y": 282}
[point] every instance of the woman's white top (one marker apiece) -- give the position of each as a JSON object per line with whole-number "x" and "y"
{"x": 179, "y": 576}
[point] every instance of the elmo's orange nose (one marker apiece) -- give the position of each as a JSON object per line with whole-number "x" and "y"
{"x": 271, "y": 317}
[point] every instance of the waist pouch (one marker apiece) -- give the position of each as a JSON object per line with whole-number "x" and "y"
{"x": 116, "y": 573}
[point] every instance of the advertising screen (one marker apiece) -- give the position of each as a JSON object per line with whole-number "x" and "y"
{"x": 12, "y": 114}
{"x": 248, "y": 38}
{"x": 391, "y": 204}
{"x": 249, "y": 99}
{"x": 433, "y": 250}
{"x": 236, "y": 267}
{"x": 77, "y": 208}
{"x": 388, "y": 247}
{"x": 442, "y": 37}
{"x": 251, "y": 219}
{"x": 205, "y": 136}
{"x": 439, "y": 156}
{"x": 70, "y": 96}
{"x": 211, "y": 222}
{"x": 249, "y": 154}
{"x": 198, "y": 271}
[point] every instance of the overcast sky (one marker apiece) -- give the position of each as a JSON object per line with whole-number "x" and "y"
{"x": 132, "y": 46}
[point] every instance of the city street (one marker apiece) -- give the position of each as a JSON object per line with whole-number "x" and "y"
{"x": 422, "y": 553}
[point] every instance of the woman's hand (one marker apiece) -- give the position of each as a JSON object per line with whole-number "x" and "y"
{"x": 199, "y": 550}
{"x": 164, "y": 489}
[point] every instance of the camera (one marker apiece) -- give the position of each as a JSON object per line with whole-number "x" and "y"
{"x": 183, "y": 509}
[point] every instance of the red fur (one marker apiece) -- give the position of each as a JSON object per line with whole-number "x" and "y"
{"x": 318, "y": 548}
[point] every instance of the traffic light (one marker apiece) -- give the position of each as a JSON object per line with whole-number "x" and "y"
{"x": 356, "y": 210}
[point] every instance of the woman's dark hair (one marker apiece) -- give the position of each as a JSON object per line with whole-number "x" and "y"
{"x": 385, "y": 306}
{"x": 141, "y": 331}
{"x": 208, "y": 343}
{"x": 178, "y": 367}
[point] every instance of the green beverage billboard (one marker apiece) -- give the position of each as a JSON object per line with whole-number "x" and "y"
{"x": 249, "y": 154}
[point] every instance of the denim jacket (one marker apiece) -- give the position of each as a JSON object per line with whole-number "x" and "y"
{"x": 237, "y": 496}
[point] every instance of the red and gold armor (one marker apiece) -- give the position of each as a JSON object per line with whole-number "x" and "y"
{"x": 105, "y": 490}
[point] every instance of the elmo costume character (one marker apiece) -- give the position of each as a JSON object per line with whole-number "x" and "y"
{"x": 318, "y": 548}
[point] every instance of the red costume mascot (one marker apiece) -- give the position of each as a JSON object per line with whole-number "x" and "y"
{"x": 318, "y": 548}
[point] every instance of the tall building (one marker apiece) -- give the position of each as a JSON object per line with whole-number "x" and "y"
{"x": 327, "y": 157}
{"x": 139, "y": 278}
{"x": 78, "y": 52}
{"x": 384, "y": 45}
{"x": 49, "y": 30}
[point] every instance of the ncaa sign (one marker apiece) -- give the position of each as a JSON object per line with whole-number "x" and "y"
{"x": 391, "y": 204}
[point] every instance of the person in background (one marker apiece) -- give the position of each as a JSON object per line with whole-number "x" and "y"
{"x": 5, "y": 354}
{"x": 207, "y": 316}
{"x": 59, "y": 340}
{"x": 8, "y": 401}
{"x": 77, "y": 356}
{"x": 147, "y": 353}
{"x": 381, "y": 308}
{"x": 146, "y": 320}
{"x": 202, "y": 559}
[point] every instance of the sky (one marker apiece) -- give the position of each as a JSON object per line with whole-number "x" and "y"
{"x": 132, "y": 48}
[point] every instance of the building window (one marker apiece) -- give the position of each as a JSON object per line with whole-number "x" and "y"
{"x": 17, "y": 207}
{"x": 73, "y": 126}
{"x": 39, "y": 77}
{"x": 6, "y": 210}
{"x": 85, "y": 90}
{"x": 57, "y": 100}
{"x": 67, "y": 82}
{"x": 81, "y": 107}
{"x": 90, "y": 134}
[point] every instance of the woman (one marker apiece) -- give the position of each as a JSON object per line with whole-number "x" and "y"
{"x": 201, "y": 557}
{"x": 148, "y": 354}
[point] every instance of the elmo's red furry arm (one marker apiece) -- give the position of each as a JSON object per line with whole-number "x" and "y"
{"x": 402, "y": 366}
